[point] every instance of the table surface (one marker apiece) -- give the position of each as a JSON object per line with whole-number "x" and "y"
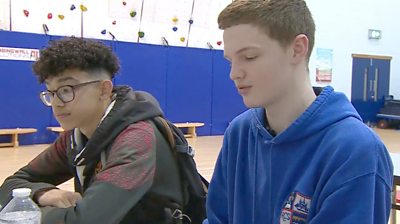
{"x": 396, "y": 117}
{"x": 17, "y": 131}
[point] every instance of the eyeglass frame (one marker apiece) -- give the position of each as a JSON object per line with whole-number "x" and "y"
{"x": 55, "y": 92}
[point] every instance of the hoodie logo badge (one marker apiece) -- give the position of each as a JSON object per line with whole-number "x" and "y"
{"x": 296, "y": 209}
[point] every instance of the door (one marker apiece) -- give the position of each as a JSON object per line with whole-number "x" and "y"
{"x": 370, "y": 84}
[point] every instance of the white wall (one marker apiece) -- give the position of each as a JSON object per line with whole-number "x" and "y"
{"x": 342, "y": 25}
{"x": 4, "y": 14}
{"x": 156, "y": 18}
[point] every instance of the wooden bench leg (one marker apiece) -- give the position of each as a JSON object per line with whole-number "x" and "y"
{"x": 393, "y": 216}
{"x": 192, "y": 131}
{"x": 14, "y": 140}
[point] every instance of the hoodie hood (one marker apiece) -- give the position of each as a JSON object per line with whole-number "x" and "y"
{"x": 129, "y": 107}
{"x": 328, "y": 108}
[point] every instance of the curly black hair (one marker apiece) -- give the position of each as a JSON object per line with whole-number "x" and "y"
{"x": 75, "y": 53}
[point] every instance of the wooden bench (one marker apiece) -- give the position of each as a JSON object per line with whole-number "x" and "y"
{"x": 55, "y": 129}
{"x": 191, "y": 128}
{"x": 14, "y": 132}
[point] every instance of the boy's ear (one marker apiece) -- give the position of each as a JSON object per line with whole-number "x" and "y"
{"x": 300, "y": 48}
{"x": 106, "y": 89}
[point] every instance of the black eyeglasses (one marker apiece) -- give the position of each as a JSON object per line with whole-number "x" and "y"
{"x": 65, "y": 93}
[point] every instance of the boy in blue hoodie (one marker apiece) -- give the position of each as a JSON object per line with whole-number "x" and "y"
{"x": 298, "y": 155}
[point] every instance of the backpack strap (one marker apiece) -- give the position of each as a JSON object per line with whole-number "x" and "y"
{"x": 194, "y": 184}
{"x": 168, "y": 132}
{"x": 174, "y": 136}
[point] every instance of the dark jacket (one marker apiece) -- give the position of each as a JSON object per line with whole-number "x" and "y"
{"x": 125, "y": 172}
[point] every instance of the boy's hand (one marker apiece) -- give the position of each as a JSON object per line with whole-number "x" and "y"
{"x": 58, "y": 198}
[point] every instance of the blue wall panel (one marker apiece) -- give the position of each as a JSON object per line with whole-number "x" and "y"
{"x": 190, "y": 84}
{"x": 189, "y": 79}
{"x": 19, "y": 90}
{"x": 144, "y": 67}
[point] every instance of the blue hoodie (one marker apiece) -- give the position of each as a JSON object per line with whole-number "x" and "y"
{"x": 326, "y": 167}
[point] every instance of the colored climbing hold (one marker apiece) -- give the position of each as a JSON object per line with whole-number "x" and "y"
{"x": 175, "y": 28}
{"x": 114, "y": 22}
{"x": 83, "y": 8}
{"x": 182, "y": 39}
{"x": 175, "y": 19}
{"x": 61, "y": 17}
{"x": 26, "y": 12}
{"x": 219, "y": 43}
{"x": 124, "y": 2}
{"x": 72, "y": 7}
{"x": 141, "y": 34}
{"x": 50, "y": 16}
{"x": 132, "y": 14}
{"x": 190, "y": 21}
{"x": 103, "y": 32}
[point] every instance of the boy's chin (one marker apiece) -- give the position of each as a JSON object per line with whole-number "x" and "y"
{"x": 252, "y": 104}
{"x": 67, "y": 127}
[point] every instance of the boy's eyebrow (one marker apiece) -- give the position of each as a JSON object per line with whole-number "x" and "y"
{"x": 62, "y": 80}
{"x": 66, "y": 79}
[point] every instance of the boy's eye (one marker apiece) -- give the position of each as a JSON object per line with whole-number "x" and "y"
{"x": 250, "y": 57}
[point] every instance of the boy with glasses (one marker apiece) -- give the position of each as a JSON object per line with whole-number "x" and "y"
{"x": 298, "y": 156}
{"x": 123, "y": 168}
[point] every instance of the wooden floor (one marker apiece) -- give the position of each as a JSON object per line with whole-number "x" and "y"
{"x": 207, "y": 149}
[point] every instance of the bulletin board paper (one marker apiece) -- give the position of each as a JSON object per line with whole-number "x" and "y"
{"x": 324, "y": 65}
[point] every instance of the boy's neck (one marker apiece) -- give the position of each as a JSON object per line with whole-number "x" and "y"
{"x": 284, "y": 112}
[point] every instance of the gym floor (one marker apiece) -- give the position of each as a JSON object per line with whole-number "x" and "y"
{"x": 207, "y": 149}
